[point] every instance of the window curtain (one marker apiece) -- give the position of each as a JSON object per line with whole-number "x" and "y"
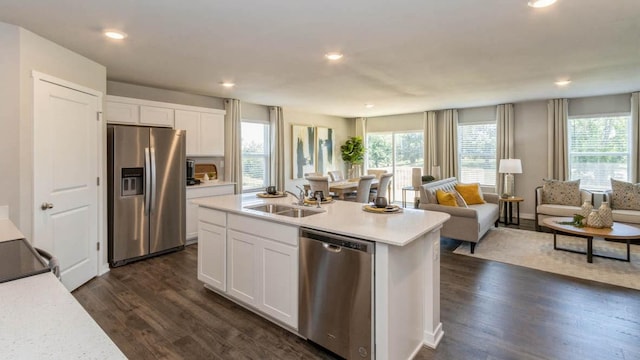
{"x": 450, "y": 144}
{"x": 361, "y": 130}
{"x": 430, "y": 145}
{"x": 635, "y": 137}
{"x": 233, "y": 143}
{"x": 506, "y": 147}
{"x": 558, "y": 151}
{"x": 276, "y": 121}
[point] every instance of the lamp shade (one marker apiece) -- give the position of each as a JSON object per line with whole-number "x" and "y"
{"x": 510, "y": 166}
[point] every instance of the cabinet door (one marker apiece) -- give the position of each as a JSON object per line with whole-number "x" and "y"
{"x": 242, "y": 267}
{"x": 190, "y": 122}
{"x": 122, "y": 113}
{"x": 192, "y": 220}
{"x": 279, "y": 285}
{"x": 151, "y": 115}
{"x": 212, "y": 134}
{"x": 212, "y": 255}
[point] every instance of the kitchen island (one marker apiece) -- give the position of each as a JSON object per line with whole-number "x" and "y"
{"x": 251, "y": 257}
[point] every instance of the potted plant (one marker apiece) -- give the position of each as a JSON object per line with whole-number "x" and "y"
{"x": 353, "y": 154}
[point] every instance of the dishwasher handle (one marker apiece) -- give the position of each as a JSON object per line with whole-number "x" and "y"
{"x": 333, "y": 248}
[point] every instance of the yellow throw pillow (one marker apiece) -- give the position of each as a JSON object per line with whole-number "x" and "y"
{"x": 470, "y": 193}
{"x": 446, "y": 198}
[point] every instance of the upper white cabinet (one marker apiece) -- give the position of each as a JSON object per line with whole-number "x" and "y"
{"x": 205, "y": 132}
{"x": 204, "y": 126}
{"x": 152, "y": 115}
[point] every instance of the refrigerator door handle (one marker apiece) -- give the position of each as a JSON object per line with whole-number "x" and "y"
{"x": 153, "y": 180}
{"x": 147, "y": 181}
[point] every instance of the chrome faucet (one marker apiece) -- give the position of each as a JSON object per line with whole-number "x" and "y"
{"x": 318, "y": 199}
{"x": 299, "y": 197}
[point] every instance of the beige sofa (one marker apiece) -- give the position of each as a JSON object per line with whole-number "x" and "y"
{"x": 552, "y": 210}
{"x": 467, "y": 224}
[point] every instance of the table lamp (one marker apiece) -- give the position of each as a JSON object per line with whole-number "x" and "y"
{"x": 509, "y": 167}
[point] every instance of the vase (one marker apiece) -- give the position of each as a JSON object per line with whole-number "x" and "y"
{"x": 354, "y": 171}
{"x": 606, "y": 214}
{"x": 594, "y": 220}
{"x": 586, "y": 208}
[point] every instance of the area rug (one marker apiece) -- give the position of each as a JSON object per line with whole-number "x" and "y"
{"x": 535, "y": 250}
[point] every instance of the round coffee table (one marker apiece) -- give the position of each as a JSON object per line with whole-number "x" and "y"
{"x": 619, "y": 231}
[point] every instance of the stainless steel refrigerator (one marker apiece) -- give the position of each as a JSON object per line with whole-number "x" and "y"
{"x": 147, "y": 192}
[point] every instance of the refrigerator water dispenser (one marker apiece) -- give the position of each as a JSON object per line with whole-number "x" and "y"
{"x": 132, "y": 181}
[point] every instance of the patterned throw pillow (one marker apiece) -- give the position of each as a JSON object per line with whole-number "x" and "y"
{"x": 561, "y": 192}
{"x": 626, "y": 196}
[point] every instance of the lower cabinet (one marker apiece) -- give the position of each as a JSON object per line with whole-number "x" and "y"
{"x": 261, "y": 264}
{"x": 194, "y": 192}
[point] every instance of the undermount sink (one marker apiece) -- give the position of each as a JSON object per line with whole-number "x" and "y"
{"x": 283, "y": 210}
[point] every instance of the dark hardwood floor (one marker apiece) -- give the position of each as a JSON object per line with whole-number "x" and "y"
{"x": 157, "y": 309}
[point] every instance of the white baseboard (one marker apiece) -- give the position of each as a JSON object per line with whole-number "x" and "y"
{"x": 433, "y": 339}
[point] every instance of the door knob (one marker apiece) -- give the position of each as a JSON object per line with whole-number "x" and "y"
{"x": 46, "y": 206}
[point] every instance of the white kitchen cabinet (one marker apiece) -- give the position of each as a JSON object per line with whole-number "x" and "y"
{"x": 122, "y": 113}
{"x": 201, "y": 191}
{"x": 279, "y": 289}
{"x": 205, "y": 132}
{"x": 262, "y": 266}
{"x": 159, "y": 116}
{"x": 212, "y": 253}
{"x": 243, "y": 266}
{"x": 195, "y": 119}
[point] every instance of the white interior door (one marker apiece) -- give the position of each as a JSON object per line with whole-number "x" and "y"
{"x": 66, "y": 165}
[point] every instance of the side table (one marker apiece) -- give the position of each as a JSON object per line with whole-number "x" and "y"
{"x": 404, "y": 194}
{"x": 506, "y": 204}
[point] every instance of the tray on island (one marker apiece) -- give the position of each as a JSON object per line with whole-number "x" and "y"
{"x": 278, "y": 194}
{"x": 311, "y": 201}
{"x": 389, "y": 209}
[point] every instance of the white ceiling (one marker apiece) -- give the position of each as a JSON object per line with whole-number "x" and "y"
{"x": 404, "y": 56}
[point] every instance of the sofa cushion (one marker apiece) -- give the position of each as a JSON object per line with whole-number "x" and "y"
{"x": 626, "y": 216}
{"x": 471, "y": 193}
{"x": 626, "y": 196}
{"x": 561, "y": 192}
{"x": 446, "y": 198}
{"x": 558, "y": 210}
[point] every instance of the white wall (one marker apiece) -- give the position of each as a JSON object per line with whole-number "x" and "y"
{"x": 154, "y": 94}
{"x": 10, "y": 119}
{"x": 343, "y": 128}
{"x": 42, "y": 55}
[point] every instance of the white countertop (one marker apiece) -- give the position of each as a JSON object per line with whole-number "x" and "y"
{"x": 210, "y": 183}
{"x": 341, "y": 217}
{"x": 40, "y": 319}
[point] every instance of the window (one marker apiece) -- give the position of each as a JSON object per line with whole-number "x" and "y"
{"x": 477, "y": 144}
{"x": 396, "y": 152}
{"x": 599, "y": 149}
{"x": 255, "y": 155}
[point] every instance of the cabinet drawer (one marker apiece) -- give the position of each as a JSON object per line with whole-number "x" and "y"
{"x": 264, "y": 229}
{"x": 214, "y": 217}
{"x": 199, "y": 192}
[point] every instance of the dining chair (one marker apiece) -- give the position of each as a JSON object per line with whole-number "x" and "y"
{"x": 336, "y": 175}
{"x": 364, "y": 186}
{"x": 306, "y": 175}
{"x": 383, "y": 186}
{"x": 319, "y": 183}
{"x": 376, "y": 172}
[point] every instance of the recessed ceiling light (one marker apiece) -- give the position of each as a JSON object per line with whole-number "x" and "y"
{"x": 333, "y": 56}
{"x": 227, "y": 84}
{"x": 540, "y": 3}
{"x": 116, "y": 35}
{"x": 369, "y": 106}
{"x": 563, "y": 82}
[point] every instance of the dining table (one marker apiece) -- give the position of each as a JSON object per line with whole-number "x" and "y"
{"x": 343, "y": 187}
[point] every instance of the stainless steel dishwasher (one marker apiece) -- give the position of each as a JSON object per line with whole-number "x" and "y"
{"x": 336, "y": 293}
